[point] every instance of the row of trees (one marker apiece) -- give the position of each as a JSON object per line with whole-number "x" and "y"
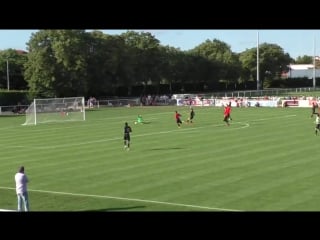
{"x": 62, "y": 63}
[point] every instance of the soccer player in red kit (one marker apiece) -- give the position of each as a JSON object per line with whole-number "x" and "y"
{"x": 226, "y": 114}
{"x": 178, "y": 120}
{"x": 314, "y": 107}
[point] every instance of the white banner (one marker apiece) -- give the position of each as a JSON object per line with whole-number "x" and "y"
{"x": 274, "y": 102}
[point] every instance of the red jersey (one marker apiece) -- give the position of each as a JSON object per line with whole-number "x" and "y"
{"x": 227, "y": 110}
{"x": 178, "y": 115}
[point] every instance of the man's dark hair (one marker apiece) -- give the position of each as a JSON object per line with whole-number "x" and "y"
{"x": 21, "y": 169}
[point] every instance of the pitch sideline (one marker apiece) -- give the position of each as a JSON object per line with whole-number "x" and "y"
{"x": 127, "y": 199}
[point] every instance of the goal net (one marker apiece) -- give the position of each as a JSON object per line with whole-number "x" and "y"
{"x": 55, "y": 110}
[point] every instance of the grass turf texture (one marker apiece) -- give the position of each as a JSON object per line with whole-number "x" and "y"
{"x": 267, "y": 160}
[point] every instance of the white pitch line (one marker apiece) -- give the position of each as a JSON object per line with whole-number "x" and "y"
{"x": 245, "y": 125}
{"x": 130, "y": 199}
{"x": 264, "y": 119}
{"x": 120, "y": 138}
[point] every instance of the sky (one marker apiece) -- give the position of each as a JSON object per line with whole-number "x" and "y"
{"x": 294, "y": 42}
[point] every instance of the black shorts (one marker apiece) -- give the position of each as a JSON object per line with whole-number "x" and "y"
{"x": 179, "y": 120}
{"x": 126, "y": 137}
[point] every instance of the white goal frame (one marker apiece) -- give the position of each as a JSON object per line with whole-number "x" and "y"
{"x": 48, "y": 110}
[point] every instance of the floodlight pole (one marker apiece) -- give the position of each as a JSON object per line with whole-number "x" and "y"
{"x": 258, "y": 77}
{"x": 314, "y": 62}
{"x": 8, "y": 80}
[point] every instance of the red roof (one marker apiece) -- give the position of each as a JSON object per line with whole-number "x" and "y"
{"x": 21, "y": 52}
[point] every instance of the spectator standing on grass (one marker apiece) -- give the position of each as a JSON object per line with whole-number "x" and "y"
{"x": 21, "y": 180}
{"x": 126, "y": 137}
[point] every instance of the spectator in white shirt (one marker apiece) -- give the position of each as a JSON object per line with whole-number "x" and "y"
{"x": 21, "y": 190}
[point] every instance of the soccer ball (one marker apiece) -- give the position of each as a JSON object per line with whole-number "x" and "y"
{"x": 135, "y": 122}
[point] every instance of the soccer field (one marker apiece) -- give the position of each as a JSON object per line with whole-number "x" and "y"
{"x": 266, "y": 160}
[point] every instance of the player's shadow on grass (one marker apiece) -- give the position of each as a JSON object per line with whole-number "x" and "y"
{"x": 169, "y": 148}
{"x": 114, "y": 209}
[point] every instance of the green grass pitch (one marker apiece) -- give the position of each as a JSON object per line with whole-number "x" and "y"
{"x": 266, "y": 160}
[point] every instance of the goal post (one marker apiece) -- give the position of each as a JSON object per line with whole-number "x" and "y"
{"x": 55, "y": 110}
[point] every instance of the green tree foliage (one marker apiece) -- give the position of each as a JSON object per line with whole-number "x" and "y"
{"x": 13, "y": 61}
{"x": 172, "y": 65}
{"x": 57, "y": 65}
{"x": 214, "y": 50}
{"x": 272, "y": 61}
{"x": 145, "y": 56}
{"x": 75, "y": 62}
{"x": 225, "y": 63}
{"x": 308, "y": 60}
{"x": 304, "y": 60}
{"x": 107, "y": 61}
